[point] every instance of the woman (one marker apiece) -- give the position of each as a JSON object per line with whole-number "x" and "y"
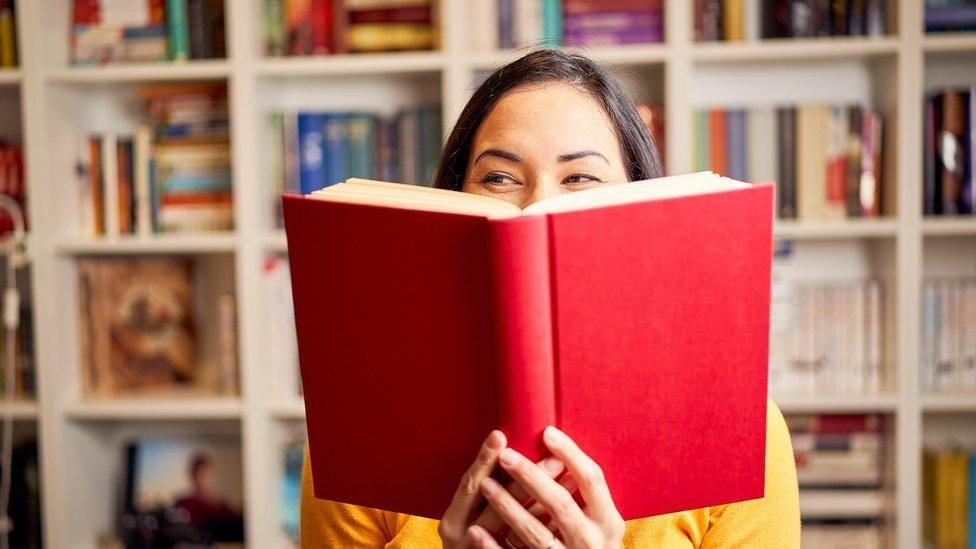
{"x": 552, "y": 123}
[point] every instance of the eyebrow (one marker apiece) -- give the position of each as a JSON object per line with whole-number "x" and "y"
{"x": 500, "y": 154}
{"x": 568, "y": 157}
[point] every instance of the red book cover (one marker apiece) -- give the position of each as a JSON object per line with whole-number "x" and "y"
{"x": 391, "y": 15}
{"x": 718, "y": 146}
{"x": 322, "y": 26}
{"x": 625, "y": 326}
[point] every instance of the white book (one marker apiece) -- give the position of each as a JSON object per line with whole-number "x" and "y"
{"x": 110, "y": 183}
{"x": 283, "y": 340}
{"x": 483, "y": 16}
{"x": 953, "y": 315}
{"x": 761, "y": 133}
{"x": 85, "y": 191}
{"x": 929, "y": 319}
{"x": 858, "y": 337}
{"x": 840, "y": 504}
{"x": 527, "y": 22}
{"x": 842, "y": 536}
{"x": 143, "y": 196}
{"x": 969, "y": 335}
{"x": 875, "y": 317}
{"x": 942, "y": 370}
{"x": 753, "y": 23}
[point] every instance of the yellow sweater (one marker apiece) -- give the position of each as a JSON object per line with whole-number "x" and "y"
{"x": 773, "y": 521}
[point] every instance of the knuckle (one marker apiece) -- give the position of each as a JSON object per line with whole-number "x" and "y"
{"x": 485, "y": 456}
{"x": 562, "y": 504}
{"x": 446, "y": 531}
{"x": 469, "y": 484}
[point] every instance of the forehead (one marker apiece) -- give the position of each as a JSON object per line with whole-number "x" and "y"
{"x": 554, "y": 116}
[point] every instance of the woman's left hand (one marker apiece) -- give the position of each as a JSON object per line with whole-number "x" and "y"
{"x": 597, "y": 524}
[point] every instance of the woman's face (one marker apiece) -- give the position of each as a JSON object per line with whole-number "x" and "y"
{"x": 543, "y": 140}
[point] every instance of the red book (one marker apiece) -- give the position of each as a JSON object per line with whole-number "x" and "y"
{"x": 634, "y": 317}
{"x": 322, "y": 26}
{"x": 718, "y": 141}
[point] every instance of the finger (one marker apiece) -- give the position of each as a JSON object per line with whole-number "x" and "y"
{"x": 539, "y": 511}
{"x": 557, "y": 500}
{"x": 468, "y": 492}
{"x": 529, "y": 529}
{"x": 478, "y": 537}
{"x": 489, "y": 518}
{"x": 589, "y": 475}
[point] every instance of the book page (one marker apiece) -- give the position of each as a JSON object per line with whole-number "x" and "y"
{"x": 413, "y": 197}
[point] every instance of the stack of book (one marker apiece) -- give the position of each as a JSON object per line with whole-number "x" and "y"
{"x": 131, "y": 31}
{"x": 282, "y": 340}
{"x": 950, "y": 152}
{"x": 949, "y": 336}
{"x": 738, "y": 20}
{"x": 825, "y": 338}
{"x": 827, "y": 159}
{"x": 8, "y": 35}
{"x": 171, "y": 177}
{"x": 839, "y": 464}
{"x": 949, "y": 498}
{"x": 321, "y": 148}
{"x": 519, "y": 23}
{"x": 318, "y": 27}
{"x": 950, "y": 15}
{"x": 11, "y": 181}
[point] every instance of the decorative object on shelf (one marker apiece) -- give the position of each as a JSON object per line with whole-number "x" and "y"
{"x": 138, "y": 332}
{"x": 839, "y": 466}
{"x": 950, "y": 152}
{"x": 182, "y": 491}
{"x": 739, "y": 20}
{"x": 949, "y": 336}
{"x": 828, "y": 160}
{"x": 107, "y": 32}
{"x": 950, "y": 15}
{"x": 318, "y": 27}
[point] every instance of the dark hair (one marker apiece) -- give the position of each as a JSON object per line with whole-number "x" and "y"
{"x": 641, "y": 158}
{"x": 197, "y": 462}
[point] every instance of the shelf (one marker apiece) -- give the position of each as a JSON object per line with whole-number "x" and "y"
{"x": 149, "y": 409}
{"x": 790, "y": 49}
{"x": 950, "y": 42}
{"x": 836, "y": 230}
{"x": 949, "y": 403}
{"x": 836, "y": 404}
{"x": 190, "y": 70}
{"x": 274, "y": 241}
{"x": 9, "y": 77}
{"x": 634, "y": 54}
{"x": 949, "y": 226}
{"x": 18, "y": 409}
{"x": 158, "y": 244}
{"x": 366, "y": 63}
{"x": 293, "y": 408}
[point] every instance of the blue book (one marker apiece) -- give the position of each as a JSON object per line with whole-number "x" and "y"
{"x": 972, "y": 501}
{"x": 311, "y": 151}
{"x": 736, "y": 143}
{"x": 335, "y": 144}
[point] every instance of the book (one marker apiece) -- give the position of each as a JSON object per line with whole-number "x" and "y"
{"x": 283, "y": 343}
{"x": 177, "y": 23}
{"x": 138, "y": 333}
{"x": 511, "y": 295}
{"x": 484, "y": 25}
{"x": 8, "y": 35}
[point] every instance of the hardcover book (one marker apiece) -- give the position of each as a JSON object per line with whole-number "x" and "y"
{"x": 634, "y": 317}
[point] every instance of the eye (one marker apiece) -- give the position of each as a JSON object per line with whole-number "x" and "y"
{"x": 497, "y": 179}
{"x": 581, "y": 179}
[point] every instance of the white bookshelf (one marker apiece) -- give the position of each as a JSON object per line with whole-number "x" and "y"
{"x": 80, "y": 439}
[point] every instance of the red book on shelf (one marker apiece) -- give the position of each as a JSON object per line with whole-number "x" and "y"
{"x": 634, "y": 317}
{"x": 322, "y": 26}
{"x": 718, "y": 146}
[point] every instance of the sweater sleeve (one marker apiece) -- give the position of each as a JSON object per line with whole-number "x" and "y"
{"x": 331, "y": 524}
{"x": 774, "y": 520}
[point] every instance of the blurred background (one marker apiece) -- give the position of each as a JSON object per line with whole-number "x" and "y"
{"x": 151, "y": 391}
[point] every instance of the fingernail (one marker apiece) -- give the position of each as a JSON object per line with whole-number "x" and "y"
{"x": 553, "y": 436}
{"x": 552, "y": 465}
{"x": 475, "y": 532}
{"x": 509, "y": 457}
{"x": 489, "y": 486}
{"x": 495, "y": 439}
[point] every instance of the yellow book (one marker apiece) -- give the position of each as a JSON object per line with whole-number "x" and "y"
{"x": 8, "y": 44}
{"x": 811, "y": 161}
{"x": 734, "y": 20}
{"x": 929, "y": 503}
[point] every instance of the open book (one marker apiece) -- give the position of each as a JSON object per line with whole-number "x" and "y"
{"x": 635, "y": 317}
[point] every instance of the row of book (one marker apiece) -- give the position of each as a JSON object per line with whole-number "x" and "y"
{"x": 839, "y": 465}
{"x": 738, "y": 20}
{"x": 173, "y": 176}
{"x": 826, "y": 338}
{"x": 950, "y": 152}
{"x": 949, "y": 336}
{"x": 949, "y": 498}
{"x": 139, "y": 323}
{"x": 321, "y": 148}
{"x": 320, "y": 27}
{"x": 134, "y": 31}
{"x": 8, "y": 35}
{"x": 518, "y": 23}
{"x": 950, "y": 15}
{"x": 12, "y": 181}
{"x": 826, "y": 159}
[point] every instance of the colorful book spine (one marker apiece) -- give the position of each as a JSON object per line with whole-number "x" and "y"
{"x": 8, "y": 35}
{"x": 177, "y": 24}
{"x": 275, "y": 36}
{"x": 506, "y": 19}
{"x": 322, "y": 27}
{"x": 362, "y": 143}
{"x": 335, "y": 144}
{"x": 552, "y": 21}
{"x": 311, "y": 150}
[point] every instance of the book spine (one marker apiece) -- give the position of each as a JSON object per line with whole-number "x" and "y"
{"x": 737, "y": 144}
{"x": 311, "y": 152}
{"x": 552, "y": 21}
{"x": 227, "y": 330}
{"x": 853, "y": 169}
{"x": 298, "y": 26}
{"x": 198, "y": 22}
{"x": 718, "y": 141}
{"x": 110, "y": 181}
{"x": 484, "y": 25}
{"x": 870, "y": 187}
{"x": 275, "y": 39}
{"x": 178, "y": 27}
{"x": 528, "y": 22}
{"x": 429, "y": 121}
{"x": 361, "y": 145}
{"x": 522, "y": 323}
{"x": 836, "y": 159}
{"x": 733, "y": 20}
{"x": 971, "y": 530}
{"x": 409, "y": 145}
{"x": 8, "y": 36}
{"x": 218, "y": 32}
{"x": 506, "y": 37}
{"x": 701, "y": 143}
{"x": 123, "y": 172}
{"x": 335, "y": 144}
{"x": 969, "y": 152}
{"x": 340, "y": 24}
{"x": 322, "y": 26}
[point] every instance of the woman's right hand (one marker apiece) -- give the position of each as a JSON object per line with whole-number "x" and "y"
{"x": 455, "y": 526}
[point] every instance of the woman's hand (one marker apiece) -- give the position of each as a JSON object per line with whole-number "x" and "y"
{"x": 596, "y": 524}
{"x": 459, "y": 527}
